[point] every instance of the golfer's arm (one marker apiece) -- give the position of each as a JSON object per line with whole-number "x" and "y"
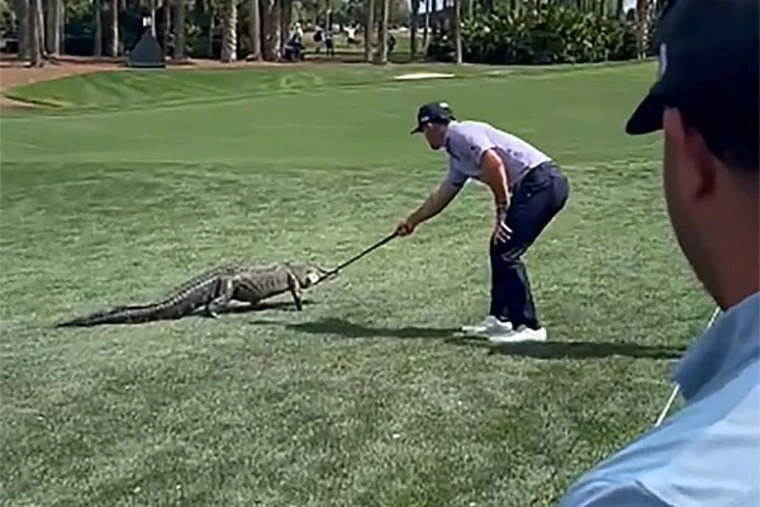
{"x": 435, "y": 203}
{"x": 492, "y": 173}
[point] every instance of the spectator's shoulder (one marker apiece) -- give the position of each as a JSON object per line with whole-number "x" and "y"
{"x": 599, "y": 491}
{"x": 668, "y": 464}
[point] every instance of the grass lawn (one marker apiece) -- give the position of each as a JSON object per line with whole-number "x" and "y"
{"x": 364, "y": 398}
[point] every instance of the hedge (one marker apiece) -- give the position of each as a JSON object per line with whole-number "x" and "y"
{"x": 547, "y": 35}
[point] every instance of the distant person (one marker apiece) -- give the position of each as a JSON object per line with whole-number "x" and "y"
{"x": 319, "y": 39}
{"x": 391, "y": 43}
{"x": 528, "y": 191}
{"x": 705, "y": 100}
{"x": 329, "y": 42}
{"x": 293, "y": 50}
{"x": 298, "y": 30}
{"x": 351, "y": 35}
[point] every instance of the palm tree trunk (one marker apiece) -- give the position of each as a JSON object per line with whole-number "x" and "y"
{"x": 413, "y": 29}
{"x": 40, "y": 17}
{"x": 35, "y": 33}
{"x": 22, "y": 9}
{"x": 152, "y": 6}
{"x": 113, "y": 46}
{"x": 179, "y": 29}
{"x": 369, "y": 28}
{"x": 211, "y": 28}
{"x": 383, "y": 35}
{"x": 285, "y": 11}
{"x": 279, "y": 33}
{"x": 167, "y": 13}
{"x": 229, "y": 32}
{"x": 426, "y": 30}
{"x": 254, "y": 29}
{"x": 457, "y": 31}
{"x": 53, "y": 27}
{"x": 98, "y": 50}
{"x": 640, "y": 16}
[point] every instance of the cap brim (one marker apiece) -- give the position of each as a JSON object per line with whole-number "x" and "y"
{"x": 416, "y": 130}
{"x": 647, "y": 117}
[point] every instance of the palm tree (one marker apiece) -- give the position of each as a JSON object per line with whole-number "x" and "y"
{"x": 413, "y": 28}
{"x": 229, "y": 31}
{"x": 98, "y": 8}
{"x": 153, "y": 17}
{"x": 429, "y": 4}
{"x": 642, "y": 18}
{"x": 457, "y": 31}
{"x": 383, "y": 33}
{"x": 254, "y": 29}
{"x": 113, "y": 46}
{"x": 271, "y": 30}
{"x": 23, "y": 17}
{"x": 53, "y": 26}
{"x": 179, "y": 29}
{"x": 167, "y": 13}
{"x": 35, "y": 33}
{"x": 211, "y": 10}
{"x": 369, "y": 27}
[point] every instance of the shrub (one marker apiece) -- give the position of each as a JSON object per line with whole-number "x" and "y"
{"x": 546, "y": 35}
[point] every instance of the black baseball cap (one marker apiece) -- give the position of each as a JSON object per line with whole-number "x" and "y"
{"x": 433, "y": 112}
{"x": 708, "y": 61}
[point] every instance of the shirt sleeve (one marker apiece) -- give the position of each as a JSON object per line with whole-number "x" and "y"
{"x": 455, "y": 177}
{"x": 602, "y": 493}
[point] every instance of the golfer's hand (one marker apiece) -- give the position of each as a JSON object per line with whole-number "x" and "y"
{"x": 405, "y": 228}
{"x": 501, "y": 231}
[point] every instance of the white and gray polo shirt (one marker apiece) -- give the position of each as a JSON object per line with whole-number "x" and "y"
{"x": 466, "y": 141}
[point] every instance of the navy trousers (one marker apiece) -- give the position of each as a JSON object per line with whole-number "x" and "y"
{"x": 540, "y": 195}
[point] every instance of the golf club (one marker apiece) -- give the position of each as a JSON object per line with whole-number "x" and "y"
{"x": 356, "y": 258}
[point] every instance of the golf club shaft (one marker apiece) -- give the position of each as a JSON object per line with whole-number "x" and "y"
{"x": 357, "y": 257}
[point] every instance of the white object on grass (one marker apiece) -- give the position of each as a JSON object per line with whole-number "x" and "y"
{"x": 422, "y": 75}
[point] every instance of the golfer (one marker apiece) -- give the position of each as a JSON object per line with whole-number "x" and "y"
{"x": 706, "y": 103}
{"x": 528, "y": 191}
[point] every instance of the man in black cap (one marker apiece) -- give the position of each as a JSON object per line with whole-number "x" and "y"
{"x": 528, "y": 190}
{"x": 705, "y": 100}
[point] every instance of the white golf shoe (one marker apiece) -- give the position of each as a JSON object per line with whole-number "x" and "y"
{"x": 489, "y": 326}
{"x": 520, "y": 335}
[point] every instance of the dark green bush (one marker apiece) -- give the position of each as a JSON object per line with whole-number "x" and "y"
{"x": 546, "y": 35}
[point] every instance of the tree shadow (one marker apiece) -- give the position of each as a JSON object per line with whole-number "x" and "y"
{"x": 540, "y": 350}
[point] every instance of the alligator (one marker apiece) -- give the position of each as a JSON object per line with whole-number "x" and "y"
{"x": 212, "y": 291}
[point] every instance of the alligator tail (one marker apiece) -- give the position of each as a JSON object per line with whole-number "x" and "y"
{"x": 119, "y": 315}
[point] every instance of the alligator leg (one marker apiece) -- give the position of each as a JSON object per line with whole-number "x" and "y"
{"x": 224, "y": 291}
{"x": 294, "y": 286}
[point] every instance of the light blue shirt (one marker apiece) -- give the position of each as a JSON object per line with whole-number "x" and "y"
{"x": 466, "y": 141}
{"x": 706, "y": 454}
